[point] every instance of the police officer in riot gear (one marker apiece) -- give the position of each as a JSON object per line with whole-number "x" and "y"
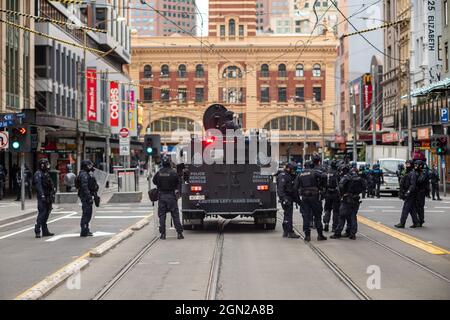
{"x": 378, "y": 178}
{"x": 423, "y": 189}
{"x": 400, "y": 171}
{"x": 308, "y": 184}
{"x": 287, "y": 196}
{"x": 332, "y": 196}
{"x": 45, "y": 197}
{"x": 364, "y": 174}
{"x": 408, "y": 193}
{"x": 229, "y": 122}
{"x": 350, "y": 187}
{"x": 434, "y": 178}
{"x": 87, "y": 191}
{"x": 168, "y": 183}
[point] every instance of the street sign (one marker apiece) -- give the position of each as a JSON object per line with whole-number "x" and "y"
{"x": 444, "y": 115}
{"x": 124, "y": 133}
{"x": 124, "y": 146}
{"x": 4, "y": 140}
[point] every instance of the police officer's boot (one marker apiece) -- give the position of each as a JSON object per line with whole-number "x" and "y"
{"x": 399, "y": 225}
{"x": 46, "y": 233}
{"x": 307, "y": 236}
{"x": 85, "y": 232}
{"x": 335, "y": 236}
{"x": 293, "y": 235}
{"x": 352, "y": 237}
{"x": 285, "y": 234}
{"x": 326, "y": 227}
{"x": 162, "y": 236}
{"x": 180, "y": 235}
{"x": 37, "y": 231}
{"x": 416, "y": 225}
{"x": 320, "y": 236}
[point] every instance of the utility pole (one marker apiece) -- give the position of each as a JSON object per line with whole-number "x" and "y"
{"x": 22, "y": 181}
{"x": 323, "y": 132}
{"x": 304, "y": 142}
{"x": 374, "y": 115}
{"x": 353, "y": 109}
{"x": 408, "y": 107}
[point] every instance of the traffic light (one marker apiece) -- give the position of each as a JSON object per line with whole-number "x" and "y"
{"x": 23, "y": 139}
{"x": 441, "y": 146}
{"x": 152, "y": 144}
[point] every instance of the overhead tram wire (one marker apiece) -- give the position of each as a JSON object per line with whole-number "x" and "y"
{"x": 361, "y": 35}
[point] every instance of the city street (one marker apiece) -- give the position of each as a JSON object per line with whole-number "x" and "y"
{"x": 241, "y": 262}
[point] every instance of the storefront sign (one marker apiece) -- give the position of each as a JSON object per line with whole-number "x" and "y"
{"x": 91, "y": 98}
{"x": 83, "y": 126}
{"x": 132, "y": 114}
{"x": 423, "y": 133}
{"x": 114, "y": 104}
{"x": 389, "y": 137}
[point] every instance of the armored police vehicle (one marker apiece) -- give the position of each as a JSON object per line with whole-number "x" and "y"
{"x": 232, "y": 186}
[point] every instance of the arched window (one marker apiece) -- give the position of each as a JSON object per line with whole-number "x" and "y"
{"x": 299, "y": 71}
{"x": 316, "y": 70}
{"x": 164, "y": 71}
{"x": 232, "y": 72}
{"x": 287, "y": 123}
{"x": 282, "y": 70}
{"x": 147, "y": 71}
{"x": 182, "y": 71}
{"x": 265, "y": 70}
{"x": 169, "y": 124}
{"x": 231, "y": 27}
{"x": 199, "y": 71}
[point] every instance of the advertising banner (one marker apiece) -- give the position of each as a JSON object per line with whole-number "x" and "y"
{"x": 114, "y": 106}
{"x": 91, "y": 92}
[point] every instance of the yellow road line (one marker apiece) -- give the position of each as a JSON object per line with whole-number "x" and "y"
{"x": 430, "y": 248}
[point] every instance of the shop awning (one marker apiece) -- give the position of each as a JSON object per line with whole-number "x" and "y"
{"x": 437, "y": 86}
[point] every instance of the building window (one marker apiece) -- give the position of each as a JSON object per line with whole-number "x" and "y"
{"x": 182, "y": 71}
{"x": 182, "y": 95}
{"x": 282, "y": 97}
{"x": 165, "y": 95}
{"x": 147, "y": 71}
{"x": 291, "y": 123}
{"x": 299, "y": 72}
{"x": 148, "y": 94}
{"x": 231, "y": 27}
{"x": 164, "y": 71}
{"x": 169, "y": 124}
{"x": 317, "y": 94}
{"x": 241, "y": 30}
{"x": 222, "y": 31}
{"x": 232, "y": 72}
{"x": 199, "y": 71}
{"x": 199, "y": 94}
{"x": 316, "y": 70}
{"x": 282, "y": 70}
{"x": 299, "y": 94}
{"x": 233, "y": 95}
{"x": 265, "y": 70}
{"x": 265, "y": 94}
{"x": 446, "y": 57}
{"x": 445, "y": 12}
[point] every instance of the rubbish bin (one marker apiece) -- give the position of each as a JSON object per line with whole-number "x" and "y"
{"x": 127, "y": 180}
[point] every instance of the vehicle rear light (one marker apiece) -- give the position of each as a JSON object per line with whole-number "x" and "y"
{"x": 196, "y": 188}
{"x": 262, "y": 188}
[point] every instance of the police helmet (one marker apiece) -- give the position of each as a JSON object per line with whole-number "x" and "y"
{"x": 418, "y": 164}
{"x": 44, "y": 164}
{"x": 316, "y": 158}
{"x": 345, "y": 168}
{"x": 409, "y": 165}
{"x": 165, "y": 161}
{"x": 354, "y": 164}
{"x": 376, "y": 166}
{"x": 333, "y": 164}
{"x": 87, "y": 165}
{"x": 229, "y": 114}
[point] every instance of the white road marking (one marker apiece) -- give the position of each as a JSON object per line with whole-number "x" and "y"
{"x": 17, "y": 221}
{"x": 31, "y": 228}
{"x": 366, "y": 210}
{"x": 381, "y": 207}
{"x": 440, "y": 211}
{"x": 442, "y": 207}
{"x": 122, "y": 211}
{"x": 398, "y": 210}
{"x": 73, "y": 235}
{"x": 110, "y": 217}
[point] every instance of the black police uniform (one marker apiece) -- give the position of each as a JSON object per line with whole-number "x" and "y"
{"x": 423, "y": 190}
{"x": 87, "y": 191}
{"x": 378, "y": 179}
{"x": 350, "y": 187}
{"x": 308, "y": 184}
{"x": 332, "y": 198}
{"x": 45, "y": 197}
{"x": 408, "y": 193}
{"x": 434, "y": 178}
{"x": 285, "y": 181}
{"x": 167, "y": 181}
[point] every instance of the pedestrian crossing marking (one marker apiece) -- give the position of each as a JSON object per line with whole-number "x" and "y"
{"x": 430, "y": 248}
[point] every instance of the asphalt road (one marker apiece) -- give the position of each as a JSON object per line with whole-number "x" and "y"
{"x": 257, "y": 264}
{"x": 26, "y": 260}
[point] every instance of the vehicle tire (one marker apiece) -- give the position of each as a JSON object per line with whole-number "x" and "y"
{"x": 395, "y": 194}
{"x": 269, "y": 226}
{"x": 188, "y": 226}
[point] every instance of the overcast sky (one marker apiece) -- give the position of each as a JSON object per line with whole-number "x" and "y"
{"x": 203, "y": 7}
